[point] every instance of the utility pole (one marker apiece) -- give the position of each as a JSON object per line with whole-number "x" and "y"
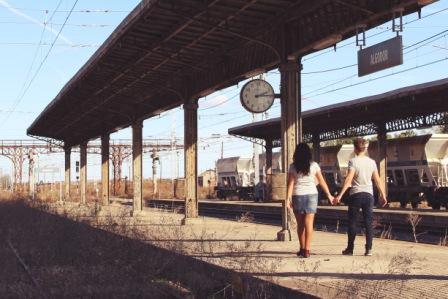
{"x": 155, "y": 160}
{"x": 222, "y": 149}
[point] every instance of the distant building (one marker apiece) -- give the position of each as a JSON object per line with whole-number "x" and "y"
{"x": 207, "y": 178}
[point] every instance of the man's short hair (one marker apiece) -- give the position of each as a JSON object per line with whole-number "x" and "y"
{"x": 360, "y": 144}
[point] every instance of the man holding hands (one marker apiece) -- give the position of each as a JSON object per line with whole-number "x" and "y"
{"x": 361, "y": 171}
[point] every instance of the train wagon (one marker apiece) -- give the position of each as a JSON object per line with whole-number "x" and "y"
{"x": 235, "y": 178}
{"x": 417, "y": 168}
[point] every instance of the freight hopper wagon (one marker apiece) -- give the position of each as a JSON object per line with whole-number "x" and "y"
{"x": 334, "y": 163}
{"x": 235, "y": 178}
{"x": 416, "y": 168}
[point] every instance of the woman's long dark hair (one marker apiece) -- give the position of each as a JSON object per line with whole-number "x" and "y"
{"x": 302, "y": 158}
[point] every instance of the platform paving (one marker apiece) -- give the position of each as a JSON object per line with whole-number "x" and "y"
{"x": 396, "y": 270}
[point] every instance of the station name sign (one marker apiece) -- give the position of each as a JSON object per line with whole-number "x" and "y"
{"x": 380, "y": 56}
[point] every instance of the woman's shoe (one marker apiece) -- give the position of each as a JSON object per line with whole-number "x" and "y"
{"x": 301, "y": 252}
{"x": 304, "y": 253}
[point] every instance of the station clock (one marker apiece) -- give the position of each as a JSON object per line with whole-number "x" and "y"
{"x": 257, "y": 96}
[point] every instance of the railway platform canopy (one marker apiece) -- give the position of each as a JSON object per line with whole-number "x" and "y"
{"x": 168, "y": 53}
{"x": 413, "y": 107}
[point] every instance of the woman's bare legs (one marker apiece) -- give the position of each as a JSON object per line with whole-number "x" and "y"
{"x": 308, "y": 221}
{"x": 301, "y": 229}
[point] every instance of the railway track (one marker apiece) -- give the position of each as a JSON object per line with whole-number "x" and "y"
{"x": 432, "y": 225}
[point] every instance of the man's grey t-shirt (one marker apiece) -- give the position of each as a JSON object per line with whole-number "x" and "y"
{"x": 364, "y": 168}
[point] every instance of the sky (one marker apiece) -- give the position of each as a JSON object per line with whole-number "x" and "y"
{"x": 37, "y": 58}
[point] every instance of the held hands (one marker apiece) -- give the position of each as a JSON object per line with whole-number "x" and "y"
{"x": 331, "y": 198}
{"x": 337, "y": 199}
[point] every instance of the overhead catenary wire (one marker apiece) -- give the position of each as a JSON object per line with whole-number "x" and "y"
{"x": 94, "y": 10}
{"x": 375, "y": 34}
{"x": 37, "y": 51}
{"x": 384, "y": 76}
{"x": 430, "y": 39}
{"x": 420, "y": 43}
{"x": 17, "y": 102}
{"x": 47, "y": 44}
{"x": 48, "y": 23}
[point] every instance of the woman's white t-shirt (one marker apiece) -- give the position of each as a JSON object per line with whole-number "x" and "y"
{"x": 305, "y": 184}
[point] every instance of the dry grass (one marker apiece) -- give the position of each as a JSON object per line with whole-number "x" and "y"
{"x": 114, "y": 255}
{"x": 391, "y": 284}
{"x": 167, "y": 188}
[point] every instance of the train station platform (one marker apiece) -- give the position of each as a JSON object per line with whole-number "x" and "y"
{"x": 431, "y": 223}
{"x": 245, "y": 249}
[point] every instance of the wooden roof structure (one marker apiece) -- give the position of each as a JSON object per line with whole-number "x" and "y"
{"x": 167, "y": 51}
{"x": 418, "y": 106}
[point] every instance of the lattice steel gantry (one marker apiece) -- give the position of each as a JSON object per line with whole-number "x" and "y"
{"x": 20, "y": 150}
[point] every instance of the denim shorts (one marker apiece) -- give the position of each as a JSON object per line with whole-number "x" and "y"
{"x": 305, "y": 204}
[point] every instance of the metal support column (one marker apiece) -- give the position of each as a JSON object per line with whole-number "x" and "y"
{"x": 83, "y": 172}
{"x": 382, "y": 155}
{"x": 137, "y": 155}
{"x": 105, "y": 169}
{"x": 191, "y": 163}
{"x": 316, "y": 148}
{"x": 291, "y": 123}
{"x": 67, "y": 151}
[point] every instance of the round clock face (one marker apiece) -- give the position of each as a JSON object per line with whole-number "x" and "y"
{"x": 257, "y": 96}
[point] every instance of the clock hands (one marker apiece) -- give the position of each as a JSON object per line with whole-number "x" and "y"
{"x": 257, "y": 96}
{"x": 264, "y": 94}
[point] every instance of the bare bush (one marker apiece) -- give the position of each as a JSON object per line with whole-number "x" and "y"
{"x": 414, "y": 221}
{"x": 444, "y": 239}
{"x": 246, "y": 217}
{"x": 386, "y": 232}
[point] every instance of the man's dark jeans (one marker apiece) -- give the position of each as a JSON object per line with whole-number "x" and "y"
{"x": 356, "y": 201}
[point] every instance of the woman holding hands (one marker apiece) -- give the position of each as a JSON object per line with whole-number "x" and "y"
{"x": 303, "y": 175}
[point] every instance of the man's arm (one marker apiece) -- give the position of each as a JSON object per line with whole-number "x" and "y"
{"x": 347, "y": 183}
{"x": 380, "y": 186}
